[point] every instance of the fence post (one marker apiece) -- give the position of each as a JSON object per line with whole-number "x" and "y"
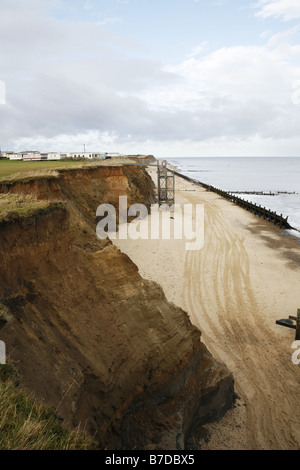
{"x": 297, "y": 338}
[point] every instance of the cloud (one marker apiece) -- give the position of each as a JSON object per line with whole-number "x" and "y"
{"x": 74, "y": 82}
{"x": 88, "y": 5}
{"x": 218, "y": 2}
{"x": 198, "y": 49}
{"x": 238, "y": 74}
{"x": 286, "y": 9}
{"x": 112, "y": 20}
{"x": 66, "y": 78}
{"x": 235, "y": 92}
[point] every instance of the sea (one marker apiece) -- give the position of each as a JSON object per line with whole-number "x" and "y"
{"x": 278, "y": 176}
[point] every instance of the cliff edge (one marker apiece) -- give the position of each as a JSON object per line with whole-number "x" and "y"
{"x": 89, "y": 336}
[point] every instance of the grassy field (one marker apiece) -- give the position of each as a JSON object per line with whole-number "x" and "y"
{"x": 26, "y": 425}
{"x": 8, "y": 167}
{"x": 14, "y": 206}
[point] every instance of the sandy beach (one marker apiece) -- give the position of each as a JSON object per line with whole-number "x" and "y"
{"x": 246, "y": 276}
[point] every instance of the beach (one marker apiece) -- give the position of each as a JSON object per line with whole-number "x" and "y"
{"x": 244, "y": 278}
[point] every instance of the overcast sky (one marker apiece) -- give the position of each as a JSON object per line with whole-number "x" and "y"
{"x": 166, "y": 77}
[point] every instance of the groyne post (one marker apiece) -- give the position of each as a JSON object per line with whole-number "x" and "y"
{"x": 297, "y": 338}
{"x": 289, "y": 324}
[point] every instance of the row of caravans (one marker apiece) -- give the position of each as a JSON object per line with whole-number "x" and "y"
{"x": 36, "y": 156}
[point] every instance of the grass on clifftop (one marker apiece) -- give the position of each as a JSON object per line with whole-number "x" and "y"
{"x": 14, "y": 206}
{"x": 25, "y": 425}
{"x": 10, "y": 168}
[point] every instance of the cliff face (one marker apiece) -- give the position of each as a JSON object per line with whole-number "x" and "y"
{"x": 91, "y": 337}
{"x": 87, "y": 188}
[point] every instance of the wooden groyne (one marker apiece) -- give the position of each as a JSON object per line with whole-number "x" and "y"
{"x": 252, "y": 207}
{"x": 255, "y": 209}
{"x": 289, "y": 323}
{"x": 261, "y": 193}
{"x": 256, "y": 193}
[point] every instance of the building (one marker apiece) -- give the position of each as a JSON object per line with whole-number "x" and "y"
{"x": 51, "y": 156}
{"x": 87, "y": 155}
{"x": 31, "y": 156}
{"x": 13, "y": 155}
{"x": 35, "y": 155}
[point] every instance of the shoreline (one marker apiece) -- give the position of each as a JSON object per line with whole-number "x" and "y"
{"x": 234, "y": 289}
{"x": 275, "y": 213}
{"x": 252, "y": 207}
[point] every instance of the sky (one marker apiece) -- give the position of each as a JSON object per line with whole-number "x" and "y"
{"x": 171, "y": 78}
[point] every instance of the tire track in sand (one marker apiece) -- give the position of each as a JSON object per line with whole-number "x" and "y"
{"x": 222, "y": 302}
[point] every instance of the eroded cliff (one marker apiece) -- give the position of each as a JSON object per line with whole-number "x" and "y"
{"x": 89, "y": 336}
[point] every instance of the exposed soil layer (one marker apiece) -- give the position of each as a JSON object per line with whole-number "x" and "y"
{"x": 88, "y": 334}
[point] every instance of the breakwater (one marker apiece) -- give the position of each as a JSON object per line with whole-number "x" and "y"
{"x": 261, "y": 193}
{"x": 255, "y": 209}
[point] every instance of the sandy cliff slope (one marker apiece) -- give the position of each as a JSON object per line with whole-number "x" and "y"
{"x": 88, "y": 334}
